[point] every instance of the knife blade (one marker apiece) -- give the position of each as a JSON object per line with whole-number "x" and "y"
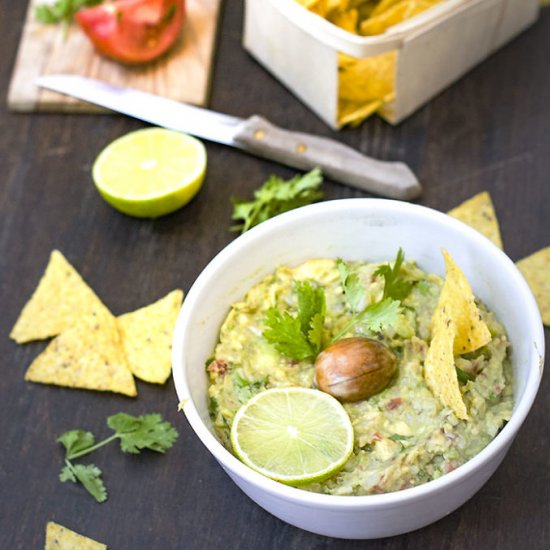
{"x": 254, "y": 135}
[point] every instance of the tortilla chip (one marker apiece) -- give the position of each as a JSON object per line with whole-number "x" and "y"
{"x": 60, "y": 299}
{"x": 382, "y": 6}
{"x": 471, "y": 331}
{"x": 439, "y": 365}
{"x": 457, "y": 328}
{"x": 61, "y": 538}
{"x": 346, "y": 20}
{"x": 479, "y": 213}
{"x": 536, "y": 270}
{"x": 146, "y": 336}
{"x": 364, "y": 85}
{"x": 89, "y": 355}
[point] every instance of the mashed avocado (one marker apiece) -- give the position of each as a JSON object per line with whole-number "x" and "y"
{"x": 404, "y": 436}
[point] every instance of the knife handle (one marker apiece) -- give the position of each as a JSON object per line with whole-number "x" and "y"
{"x": 338, "y": 161}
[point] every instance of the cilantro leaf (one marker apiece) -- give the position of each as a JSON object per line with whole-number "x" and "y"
{"x": 276, "y": 196}
{"x": 213, "y": 406}
{"x": 311, "y": 302}
{"x": 464, "y": 376}
{"x": 315, "y": 333}
{"x": 380, "y": 315}
{"x": 353, "y": 289}
{"x": 245, "y": 389}
{"x": 47, "y": 14}
{"x": 399, "y": 437}
{"x": 311, "y": 312}
{"x": 395, "y": 286}
{"x": 61, "y": 11}
{"x": 76, "y": 441}
{"x": 142, "y": 432}
{"x": 298, "y": 337}
{"x": 89, "y": 475}
{"x": 284, "y": 332}
{"x": 66, "y": 474}
{"x": 375, "y": 317}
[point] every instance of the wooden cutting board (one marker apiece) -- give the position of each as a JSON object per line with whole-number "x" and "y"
{"x": 183, "y": 74}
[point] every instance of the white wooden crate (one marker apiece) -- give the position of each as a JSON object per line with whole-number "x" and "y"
{"x": 434, "y": 48}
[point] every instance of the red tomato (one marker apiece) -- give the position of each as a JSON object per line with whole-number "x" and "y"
{"x": 133, "y": 31}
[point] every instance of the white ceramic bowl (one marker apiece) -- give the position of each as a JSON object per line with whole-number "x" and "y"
{"x": 368, "y": 229}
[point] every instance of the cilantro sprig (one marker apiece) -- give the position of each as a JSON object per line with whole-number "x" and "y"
{"x": 135, "y": 433}
{"x": 354, "y": 291}
{"x": 61, "y": 11}
{"x": 298, "y": 337}
{"x": 395, "y": 286}
{"x": 374, "y": 317}
{"x": 276, "y": 196}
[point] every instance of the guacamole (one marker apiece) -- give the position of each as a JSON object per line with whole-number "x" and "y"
{"x": 404, "y": 436}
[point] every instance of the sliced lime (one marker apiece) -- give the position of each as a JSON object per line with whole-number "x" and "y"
{"x": 150, "y": 172}
{"x": 293, "y": 435}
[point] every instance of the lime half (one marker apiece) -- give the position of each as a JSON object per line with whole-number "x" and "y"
{"x": 293, "y": 435}
{"x": 150, "y": 172}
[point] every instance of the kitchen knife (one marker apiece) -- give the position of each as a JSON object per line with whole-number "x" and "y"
{"x": 255, "y": 135}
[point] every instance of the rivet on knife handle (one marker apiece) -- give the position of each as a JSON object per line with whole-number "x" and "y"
{"x": 338, "y": 161}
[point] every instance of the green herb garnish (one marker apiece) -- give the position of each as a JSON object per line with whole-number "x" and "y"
{"x": 399, "y": 437}
{"x": 375, "y": 317}
{"x": 354, "y": 291}
{"x": 245, "y": 389}
{"x": 464, "y": 376}
{"x": 89, "y": 475}
{"x": 276, "y": 196}
{"x": 61, "y": 11}
{"x": 298, "y": 337}
{"x": 135, "y": 433}
{"x": 395, "y": 286}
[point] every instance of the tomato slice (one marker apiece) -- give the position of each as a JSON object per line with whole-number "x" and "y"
{"x": 133, "y": 31}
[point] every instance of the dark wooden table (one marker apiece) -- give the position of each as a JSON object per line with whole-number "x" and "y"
{"x": 489, "y": 131}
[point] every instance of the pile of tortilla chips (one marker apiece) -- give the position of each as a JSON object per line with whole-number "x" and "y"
{"x": 367, "y": 84}
{"x": 367, "y": 17}
{"x": 457, "y": 326}
{"x": 92, "y": 349}
{"x": 61, "y": 538}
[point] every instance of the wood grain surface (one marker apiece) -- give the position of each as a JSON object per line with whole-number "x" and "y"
{"x": 488, "y": 132}
{"x": 182, "y": 74}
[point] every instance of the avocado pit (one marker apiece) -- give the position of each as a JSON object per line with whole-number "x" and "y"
{"x": 354, "y": 368}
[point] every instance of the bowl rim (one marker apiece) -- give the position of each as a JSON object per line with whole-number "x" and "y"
{"x": 420, "y": 492}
